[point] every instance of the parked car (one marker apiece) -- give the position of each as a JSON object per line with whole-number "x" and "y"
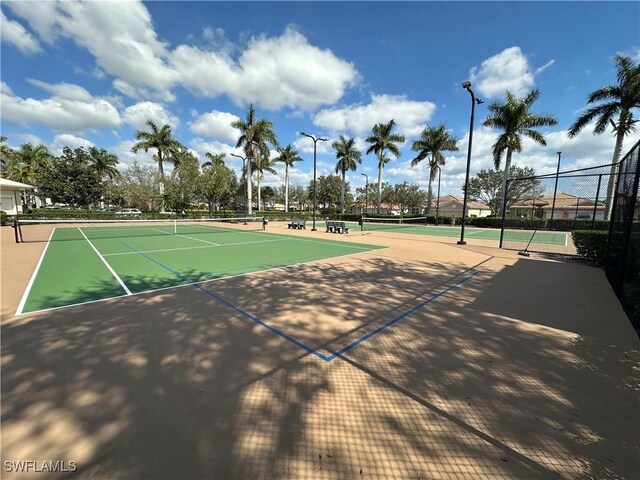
{"x": 129, "y": 212}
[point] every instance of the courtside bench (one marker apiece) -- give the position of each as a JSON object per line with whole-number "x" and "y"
{"x": 298, "y": 223}
{"x": 336, "y": 226}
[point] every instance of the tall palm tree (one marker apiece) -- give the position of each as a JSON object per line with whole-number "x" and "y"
{"x": 288, "y": 156}
{"x": 104, "y": 163}
{"x": 6, "y": 154}
{"x": 433, "y": 140}
{"x": 263, "y": 163}
{"x": 383, "y": 140}
{"x": 255, "y": 135}
{"x": 27, "y": 161}
{"x": 618, "y": 100}
{"x": 514, "y": 118}
{"x": 215, "y": 159}
{"x": 161, "y": 140}
{"x": 348, "y": 157}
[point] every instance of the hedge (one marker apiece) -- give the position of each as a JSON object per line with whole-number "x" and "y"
{"x": 591, "y": 244}
{"x": 4, "y": 218}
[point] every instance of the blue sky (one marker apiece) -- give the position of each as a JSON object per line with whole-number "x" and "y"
{"x": 90, "y": 74}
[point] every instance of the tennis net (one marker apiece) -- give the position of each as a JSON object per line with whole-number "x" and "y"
{"x": 57, "y": 230}
{"x": 373, "y": 224}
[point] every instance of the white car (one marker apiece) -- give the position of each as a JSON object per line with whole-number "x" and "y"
{"x": 129, "y": 212}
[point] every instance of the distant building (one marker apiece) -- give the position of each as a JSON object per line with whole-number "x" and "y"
{"x": 10, "y": 191}
{"x": 451, "y": 206}
{"x": 567, "y": 207}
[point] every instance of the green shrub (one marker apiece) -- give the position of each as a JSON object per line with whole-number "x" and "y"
{"x": 591, "y": 244}
{"x": 4, "y": 218}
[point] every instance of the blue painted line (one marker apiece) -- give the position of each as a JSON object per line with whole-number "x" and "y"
{"x": 398, "y": 318}
{"x": 234, "y": 307}
{"x": 293, "y": 340}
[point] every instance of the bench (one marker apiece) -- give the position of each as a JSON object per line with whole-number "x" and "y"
{"x": 335, "y": 226}
{"x": 298, "y": 223}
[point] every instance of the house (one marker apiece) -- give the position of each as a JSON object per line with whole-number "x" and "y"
{"x": 451, "y": 205}
{"x": 10, "y": 196}
{"x": 567, "y": 207}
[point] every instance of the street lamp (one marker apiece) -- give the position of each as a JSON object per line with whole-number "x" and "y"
{"x": 438, "y": 199}
{"x": 555, "y": 188}
{"x": 366, "y": 192}
{"x": 245, "y": 183}
{"x": 315, "y": 186}
{"x": 474, "y": 101}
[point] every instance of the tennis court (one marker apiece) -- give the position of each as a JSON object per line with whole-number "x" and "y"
{"x": 419, "y": 226}
{"x": 250, "y": 353}
{"x": 90, "y": 261}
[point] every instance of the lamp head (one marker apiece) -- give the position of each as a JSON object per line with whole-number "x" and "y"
{"x": 466, "y": 84}
{"x": 478, "y": 101}
{"x": 323, "y": 139}
{"x": 302, "y": 133}
{"x": 559, "y": 153}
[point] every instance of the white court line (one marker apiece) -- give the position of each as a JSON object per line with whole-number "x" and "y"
{"x": 186, "y": 236}
{"x": 126, "y": 289}
{"x": 23, "y": 300}
{"x": 324, "y": 242}
{"x": 197, "y": 248}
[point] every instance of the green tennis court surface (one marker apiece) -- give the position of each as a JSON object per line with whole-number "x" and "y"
{"x": 545, "y": 237}
{"x": 83, "y": 263}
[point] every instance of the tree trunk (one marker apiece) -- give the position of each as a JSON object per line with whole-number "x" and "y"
{"x": 379, "y": 201}
{"x": 286, "y": 187}
{"x": 249, "y": 188}
{"x": 507, "y": 166}
{"x": 259, "y": 196}
{"x": 429, "y": 194}
{"x": 611, "y": 185}
{"x": 342, "y": 192}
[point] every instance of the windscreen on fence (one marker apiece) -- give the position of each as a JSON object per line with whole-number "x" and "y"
{"x": 543, "y": 211}
{"x": 622, "y": 261}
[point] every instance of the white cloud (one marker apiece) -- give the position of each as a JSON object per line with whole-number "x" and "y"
{"x": 14, "y": 33}
{"x": 216, "y": 125}
{"x": 507, "y": 70}
{"x": 411, "y": 116}
{"x": 136, "y": 115}
{"x": 126, "y": 157}
{"x": 272, "y": 72}
{"x": 68, "y": 140}
{"x": 70, "y": 107}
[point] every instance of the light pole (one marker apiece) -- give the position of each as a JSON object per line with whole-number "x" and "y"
{"x": 366, "y": 192}
{"x": 315, "y": 186}
{"x": 438, "y": 199}
{"x": 245, "y": 183}
{"x": 555, "y": 188}
{"x": 474, "y": 101}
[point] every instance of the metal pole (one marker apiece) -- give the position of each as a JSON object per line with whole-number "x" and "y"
{"x": 555, "y": 189}
{"x": 245, "y": 201}
{"x": 504, "y": 215}
{"x": 438, "y": 199}
{"x": 595, "y": 204}
{"x": 467, "y": 87}
{"x": 315, "y": 183}
{"x": 575, "y": 218}
{"x": 366, "y": 192}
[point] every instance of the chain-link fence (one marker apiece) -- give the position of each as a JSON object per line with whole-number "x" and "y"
{"x": 540, "y": 212}
{"x": 622, "y": 261}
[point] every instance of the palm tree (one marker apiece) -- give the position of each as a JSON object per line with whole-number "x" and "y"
{"x": 515, "y": 118}
{"x": 254, "y": 136}
{"x": 262, "y": 164}
{"x": 6, "y": 154}
{"x": 348, "y": 157}
{"x": 433, "y": 140}
{"x": 619, "y": 100}
{"x": 104, "y": 163}
{"x": 215, "y": 159}
{"x": 382, "y": 140}
{"x": 27, "y": 161}
{"x": 161, "y": 140}
{"x": 288, "y": 156}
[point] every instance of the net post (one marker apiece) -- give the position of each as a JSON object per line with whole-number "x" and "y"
{"x": 362, "y": 223}
{"x": 16, "y": 227}
{"x": 264, "y": 223}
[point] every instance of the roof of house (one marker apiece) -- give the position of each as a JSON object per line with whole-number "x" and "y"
{"x": 454, "y": 201}
{"x": 563, "y": 200}
{"x": 6, "y": 184}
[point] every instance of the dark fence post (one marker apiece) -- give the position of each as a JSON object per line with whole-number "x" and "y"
{"x": 504, "y": 214}
{"x": 595, "y": 203}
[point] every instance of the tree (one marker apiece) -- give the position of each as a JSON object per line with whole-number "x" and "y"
{"x": 218, "y": 184}
{"x": 288, "y": 156}
{"x": 269, "y": 195}
{"x": 514, "y": 118}
{"x": 618, "y": 100}
{"x": 486, "y": 187}
{"x": 159, "y": 139}
{"x": 433, "y": 140}
{"x": 262, "y": 164}
{"x": 6, "y": 154}
{"x": 382, "y": 140}
{"x": 215, "y": 159}
{"x": 72, "y": 179}
{"x": 181, "y": 187}
{"x": 27, "y": 162}
{"x": 103, "y": 163}
{"x": 255, "y": 135}
{"x": 328, "y": 192}
{"x": 406, "y": 196}
{"x": 140, "y": 186}
{"x": 299, "y": 195}
{"x": 348, "y": 157}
